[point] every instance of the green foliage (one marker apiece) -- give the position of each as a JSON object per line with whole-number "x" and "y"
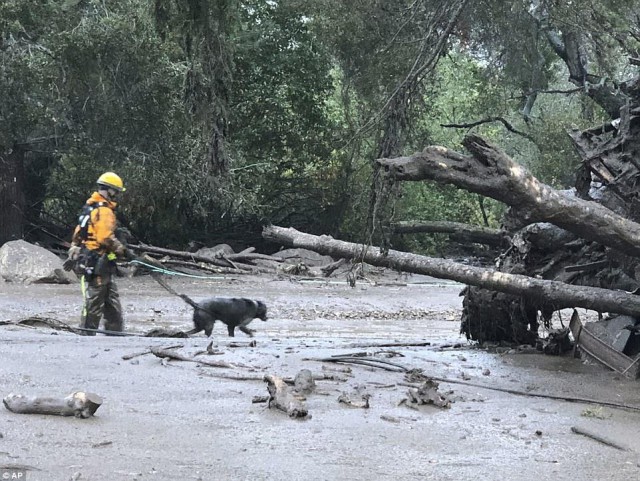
{"x": 220, "y": 114}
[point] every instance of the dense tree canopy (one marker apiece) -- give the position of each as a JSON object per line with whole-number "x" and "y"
{"x": 222, "y": 115}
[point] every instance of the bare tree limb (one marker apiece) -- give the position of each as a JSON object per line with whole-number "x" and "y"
{"x": 504, "y": 122}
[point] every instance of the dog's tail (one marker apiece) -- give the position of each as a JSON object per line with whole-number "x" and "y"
{"x": 189, "y": 301}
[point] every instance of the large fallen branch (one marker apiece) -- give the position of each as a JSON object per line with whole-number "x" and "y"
{"x": 557, "y": 295}
{"x": 78, "y": 404}
{"x": 458, "y": 231}
{"x": 492, "y": 173}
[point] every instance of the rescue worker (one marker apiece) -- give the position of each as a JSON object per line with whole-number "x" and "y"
{"x": 94, "y": 249}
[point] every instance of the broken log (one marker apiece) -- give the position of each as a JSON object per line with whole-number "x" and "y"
{"x": 492, "y": 173}
{"x": 283, "y": 399}
{"x": 458, "y": 231}
{"x": 79, "y": 404}
{"x": 557, "y": 295}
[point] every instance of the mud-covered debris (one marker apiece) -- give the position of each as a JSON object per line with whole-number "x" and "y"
{"x": 556, "y": 343}
{"x": 162, "y": 332}
{"x": 362, "y": 402}
{"x": 427, "y": 393}
{"x": 304, "y": 382}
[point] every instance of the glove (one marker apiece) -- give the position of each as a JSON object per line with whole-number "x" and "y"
{"x": 72, "y": 257}
{"x": 73, "y": 253}
{"x": 120, "y": 251}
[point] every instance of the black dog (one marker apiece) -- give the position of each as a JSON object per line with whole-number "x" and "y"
{"x": 234, "y": 312}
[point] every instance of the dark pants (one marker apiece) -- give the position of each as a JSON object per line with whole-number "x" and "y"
{"x": 101, "y": 298}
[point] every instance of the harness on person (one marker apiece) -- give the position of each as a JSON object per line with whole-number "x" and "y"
{"x": 90, "y": 262}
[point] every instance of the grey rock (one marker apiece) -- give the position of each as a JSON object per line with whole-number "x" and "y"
{"x": 21, "y": 261}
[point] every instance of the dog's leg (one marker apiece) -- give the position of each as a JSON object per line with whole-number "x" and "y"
{"x": 208, "y": 327}
{"x": 247, "y": 331}
{"x": 231, "y": 329}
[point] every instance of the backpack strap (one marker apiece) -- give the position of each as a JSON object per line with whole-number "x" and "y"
{"x": 84, "y": 220}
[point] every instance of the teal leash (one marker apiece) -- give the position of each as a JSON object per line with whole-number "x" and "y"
{"x": 169, "y": 272}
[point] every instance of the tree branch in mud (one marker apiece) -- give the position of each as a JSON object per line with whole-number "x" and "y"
{"x": 557, "y": 295}
{"x": 169, "y": 354}
{"x": 597, "y": 437}
{"x": 459, "y": 232}
{"x": 79, "y": 404}
{"x": 492, "y": 173}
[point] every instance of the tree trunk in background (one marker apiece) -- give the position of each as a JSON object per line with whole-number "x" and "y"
{"x": 12, "y": 201}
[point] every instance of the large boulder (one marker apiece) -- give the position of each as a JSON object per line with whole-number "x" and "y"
{"x": 24, "y": 262}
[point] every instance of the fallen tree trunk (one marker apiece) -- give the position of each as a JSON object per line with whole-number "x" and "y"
{"x": 78, "y": 404}
{"x": 492, "y": 173}
{"x": 459, "y": 232}
{"x": 556, "y": 295}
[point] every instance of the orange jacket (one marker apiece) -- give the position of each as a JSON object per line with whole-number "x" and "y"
{"x": 101, "y": 227}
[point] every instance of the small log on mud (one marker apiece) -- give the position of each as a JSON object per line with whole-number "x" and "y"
{"x": 283, "y": 399}
{"x": 557, "y": 295}
{"x": 459, "y": 232}
{"x": 79, "y": 404}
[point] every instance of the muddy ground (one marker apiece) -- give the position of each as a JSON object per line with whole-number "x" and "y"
{"x": 177, "y": 421}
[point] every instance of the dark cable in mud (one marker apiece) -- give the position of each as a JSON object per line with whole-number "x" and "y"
{"x": 530, "y": 394}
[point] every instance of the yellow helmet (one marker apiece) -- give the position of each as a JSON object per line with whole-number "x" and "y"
{"x": 111, "y": 180}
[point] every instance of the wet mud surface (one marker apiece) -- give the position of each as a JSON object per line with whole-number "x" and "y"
{"x": 178, "y": 420}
